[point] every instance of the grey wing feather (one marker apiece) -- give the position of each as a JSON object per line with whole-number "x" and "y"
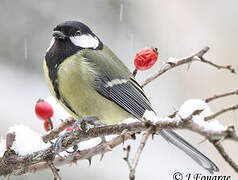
{"x": 130, "y": 96}
{"x": 126, "y": 96}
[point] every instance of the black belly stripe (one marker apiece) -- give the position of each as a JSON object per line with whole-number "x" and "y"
{"x": 61, "y": 50}
{"x": 67, "y": 105}
{"x": 54, "y": 57}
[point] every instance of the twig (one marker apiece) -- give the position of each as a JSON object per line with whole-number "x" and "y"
{"x": 101, "y": 148}
{"x": 197, "y": 56}
{"x": 225, "y": 156}
{"x": 232, "y": 108}
{"x": 54, "y": 171}
{"x": 169, "y": 66}
{"x": 228, "y": 67}
{"x": 207, "y": 100}
{"x": 138, "y": 153}
{"x": 128, "y": 149}
{"x": 10, "y": 138}
{"x": 11, "y": 163}
{"x": 55, "y": 132}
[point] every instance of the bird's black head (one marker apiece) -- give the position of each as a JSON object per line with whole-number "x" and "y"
{"x": 75, "y": 35}
{"x": 71, "y": 29}
{"x": 68, "y": 38}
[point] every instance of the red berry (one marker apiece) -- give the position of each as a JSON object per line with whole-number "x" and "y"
{"x": 47, "y": 125}
{"x": 145, "y": 58}
{"x": 43, "y": 110}
{"x": 71, "y": 128}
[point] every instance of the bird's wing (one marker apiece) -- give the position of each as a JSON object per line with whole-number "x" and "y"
{"x": 116, "y": 83}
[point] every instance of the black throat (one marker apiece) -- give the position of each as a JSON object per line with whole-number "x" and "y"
{"x": 60, "y": 50}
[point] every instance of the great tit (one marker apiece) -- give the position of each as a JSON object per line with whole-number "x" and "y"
{"x": 89, "y": 80}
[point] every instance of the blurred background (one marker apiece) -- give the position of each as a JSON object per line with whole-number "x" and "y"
{"x": 177, "y": 28}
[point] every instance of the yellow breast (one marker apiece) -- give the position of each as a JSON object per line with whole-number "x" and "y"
{"x": 76, "y": 86}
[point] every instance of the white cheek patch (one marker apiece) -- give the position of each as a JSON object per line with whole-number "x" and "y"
{"x": 51, "y": 44}
{"x": 85, "y": 41}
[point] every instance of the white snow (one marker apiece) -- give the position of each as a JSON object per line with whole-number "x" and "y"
{"x": 167, "y": 119}
{"x": 60, "y": 114}
{"x": 192, "y": 105}
{"x": 26, "y": 141}
{"x": 196, "y": 58}
{"x": 89, "y": 143}
{"x": 110, "y": 137}
{"x": 173, "y": 60}
{"x": 2, "y": 146}
{"x": 150, "y": 115}
{"x": 210, "y": 126}
{"x": 129, "y": 120}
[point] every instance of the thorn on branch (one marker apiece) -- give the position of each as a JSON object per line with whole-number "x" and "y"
{"x": 89, "y": 161}
{"x": 10, "y": 138}
{"x": 55, "y": 171}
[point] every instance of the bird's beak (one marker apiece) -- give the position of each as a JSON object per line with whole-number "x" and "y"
{"x": 58, "y": 35}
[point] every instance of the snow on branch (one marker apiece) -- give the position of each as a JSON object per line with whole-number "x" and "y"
{"x": 25, "y": 151}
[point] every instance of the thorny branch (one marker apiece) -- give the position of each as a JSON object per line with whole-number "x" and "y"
{"x": 187, "y": 60}
{"x": 54, "y": 171}
{"x": 135, "y": 161}
{"x": 13, "y": 164}
{"x": 225, "y": 156}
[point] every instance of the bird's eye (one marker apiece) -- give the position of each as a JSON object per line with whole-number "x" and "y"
{"x": 78, "y": 33}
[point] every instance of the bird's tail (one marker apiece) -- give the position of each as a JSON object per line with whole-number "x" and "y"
{"x": 191, "y": 151}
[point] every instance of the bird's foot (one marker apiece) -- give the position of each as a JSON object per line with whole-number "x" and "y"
{"x": 83, "y": 124}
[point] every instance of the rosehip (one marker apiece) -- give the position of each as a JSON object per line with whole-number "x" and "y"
{"x": 145, "y": 58}
{"x": 69, "y": 129}
{"x": 43, "y": 110}
{"x": 47, "y": 125}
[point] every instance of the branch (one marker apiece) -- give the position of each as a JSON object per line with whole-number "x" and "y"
{"x": 144, "y": 139}
{"x": 228, "y": 67}
{"x": 207, "y": 100}
{"x": 54, "y": 171}
{"x": 12, "y": 163}
{"x": 171, "y": 65}
{"x": 101, "y": 148}
{"x": 222, "y": 111}
{"x": 55, "y": 132}
{"x": 225, "y": 156}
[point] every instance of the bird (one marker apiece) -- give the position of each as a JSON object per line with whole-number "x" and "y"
{"x": 89, "y": 80}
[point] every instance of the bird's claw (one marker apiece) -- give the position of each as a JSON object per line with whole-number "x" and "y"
{"x": 83, "y": 124}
